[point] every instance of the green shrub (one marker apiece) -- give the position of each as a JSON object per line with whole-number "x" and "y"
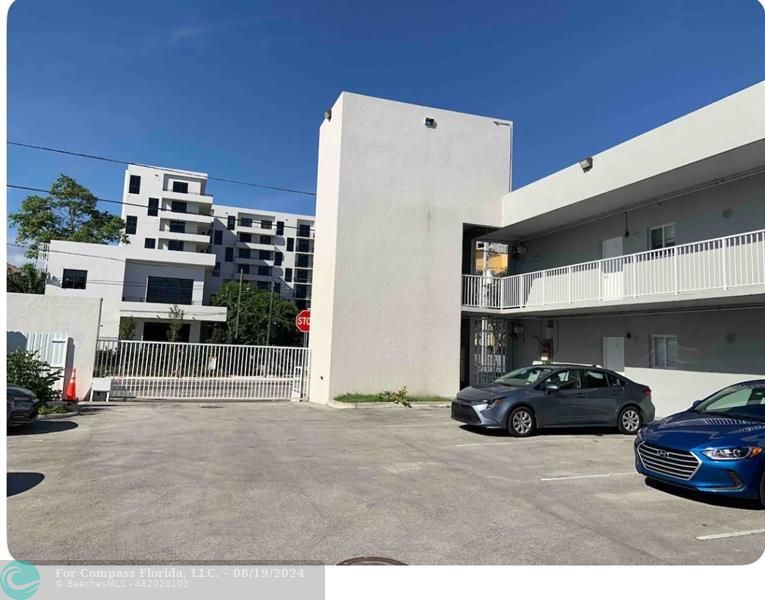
{"x": 27, "y": 371}
{"x": 400, "y": 397}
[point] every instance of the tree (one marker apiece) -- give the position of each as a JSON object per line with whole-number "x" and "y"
{"x": 67, "y": 213}
{"x": 176, "y": 322}
{"x": 27, "y": 280}
{"x": 253, "y": 316}
{"x": 127, "y": 328}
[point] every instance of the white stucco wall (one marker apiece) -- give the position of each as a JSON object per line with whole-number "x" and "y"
{"x": 715, "y": 349}
{"x": 392, "y": 198}
{"x": 75, "y": 316}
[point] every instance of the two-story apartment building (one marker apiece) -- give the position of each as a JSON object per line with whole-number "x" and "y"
{"x": 179, "y": 249}
{"x": 648, "y": 258}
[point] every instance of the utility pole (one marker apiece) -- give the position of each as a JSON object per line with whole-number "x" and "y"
{"x": 238, "y": 306}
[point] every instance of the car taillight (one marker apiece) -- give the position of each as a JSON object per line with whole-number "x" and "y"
{"x": 646, "y": 391}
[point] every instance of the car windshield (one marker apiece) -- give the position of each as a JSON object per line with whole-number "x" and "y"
{"x": 524, "y": 376}
{"x": 744, "y": 402}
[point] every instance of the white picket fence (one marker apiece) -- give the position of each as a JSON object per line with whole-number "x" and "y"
{"x": 717, "y": 264}
{"x": 187, "y": 371}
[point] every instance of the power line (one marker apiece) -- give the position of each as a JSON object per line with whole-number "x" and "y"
{"x": 125, "y": 162}
{"x": 237, "y": 220}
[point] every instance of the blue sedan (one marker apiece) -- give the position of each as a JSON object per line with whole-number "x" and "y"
{"x": 718, "y": 445}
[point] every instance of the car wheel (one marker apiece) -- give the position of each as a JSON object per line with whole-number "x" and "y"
{"x": 521, "y": 422}
{"x": 630, "y": 420}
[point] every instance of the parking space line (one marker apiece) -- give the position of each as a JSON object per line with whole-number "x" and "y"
{"x": 720, "y": 536}
{"x": 585, "y": 476}
{"x": 483, "y": 444}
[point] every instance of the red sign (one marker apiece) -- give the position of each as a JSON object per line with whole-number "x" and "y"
{"x": 303, "y": 320}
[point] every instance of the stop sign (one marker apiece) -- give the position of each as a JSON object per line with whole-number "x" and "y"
{"x": 303, "y": 320}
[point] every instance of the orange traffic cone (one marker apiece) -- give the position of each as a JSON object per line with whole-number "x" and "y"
{"x": 71, "y": 388}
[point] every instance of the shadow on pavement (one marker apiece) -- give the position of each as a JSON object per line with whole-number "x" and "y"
{"x": 596, "y": 431}
{"x": 21, "y": 482}
{"x": 39, "y": 427}
{"x": 711, "y": 499}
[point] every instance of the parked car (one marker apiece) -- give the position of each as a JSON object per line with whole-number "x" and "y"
{"x": 718, "y": 445}
{"x": 22, "y": 406}
{"x": 555, "y": 395}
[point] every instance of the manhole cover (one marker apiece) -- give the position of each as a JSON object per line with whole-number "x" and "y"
{"x": 371, "y": 560}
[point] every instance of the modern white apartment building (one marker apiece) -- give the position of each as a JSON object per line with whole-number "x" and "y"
{"x": 179, "y": 251}
{"x": 648, "y": 258}
{"x": 169, "y": 209}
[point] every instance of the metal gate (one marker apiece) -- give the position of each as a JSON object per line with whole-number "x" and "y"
{"x": 490, "y": 349}
{"x": 186, "y": 371}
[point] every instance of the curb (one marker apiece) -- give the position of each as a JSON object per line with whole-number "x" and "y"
{"x": 388, "y": 405}
{"x": 54, "y": 416}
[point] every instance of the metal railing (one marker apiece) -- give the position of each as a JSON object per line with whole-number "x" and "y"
{"x": 715, "y": 264}
{"x": 178, "y": 371}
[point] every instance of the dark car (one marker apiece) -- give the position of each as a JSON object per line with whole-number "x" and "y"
{"x": 716, "y": 446}
{"x": 22, "y": 406}
{"x": 555, "y": 395}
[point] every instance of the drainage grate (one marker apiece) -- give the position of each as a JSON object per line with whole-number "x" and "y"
{"x": 370, "y": 560}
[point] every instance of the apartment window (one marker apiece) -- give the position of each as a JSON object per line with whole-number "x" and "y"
{"x": 266, "y": 224}
{"x": 153, "y": 210}
{"x": 178, "y": 206}
{"x": 216, "y": 270}
{"x": 74, "y": 279}
{"x": 664, "y": 351}
{"x": 150, "y": 243}
{"x": 175, "y": 245}
{"x": 245, "y": 237}
{"x": 278, "y": 257}
{"x": 244, "y": 253}
{"x": 290, "y": 244}
{"x": 301, "y": 275}
{"x": 244, "y": 269}
{"x": 662, "y": 236}
{"x": 245, "y": 222}
{"x": 280, "y": 228}
{"x": 301, "y": 291}
{"x": 302, "y": 261}
{"x": 264, "y": 270}
{"x": 182, "y": 187}
{"x": 265, "y": 255}
{"x": 265, "y": 239}
{"x": 229, "y": 254}
{"x": 287, "y": 274}
{"x": 304, "y": 230}
{"x": 231, "y": 223}
{"x": 134, "y": 187}
{"x": 304, "y": 245}
{"x": 177, "y": 226}
{"x": 169, "y": 290}
{"x": 217, "y": 237}
{"x": 131, "y": 224}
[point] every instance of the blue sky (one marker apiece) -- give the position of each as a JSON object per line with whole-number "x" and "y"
{"x": 237, "y": 88}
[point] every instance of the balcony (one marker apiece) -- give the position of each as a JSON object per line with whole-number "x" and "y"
{"x": 137, "y": 308}
{"x": 182, "y": 236}
{"x": 709, "y": 269}
{"x": 187, "y": 197}
{"x": 190, "y": 217}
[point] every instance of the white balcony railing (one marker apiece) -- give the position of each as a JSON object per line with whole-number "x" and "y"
{"x": 716, "y": 264}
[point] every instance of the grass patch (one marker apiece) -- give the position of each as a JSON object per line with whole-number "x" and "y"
{"x": 56, "y": 409}
{"x": 353, "y": 398}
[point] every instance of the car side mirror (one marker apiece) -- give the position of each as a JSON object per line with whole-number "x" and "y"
{"x": 696, "y": 403}
{"x": 551, "y": 387}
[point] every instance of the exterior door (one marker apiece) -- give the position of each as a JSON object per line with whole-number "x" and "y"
{"x": 613, "y": 353}
{"x": 613, "y": 270}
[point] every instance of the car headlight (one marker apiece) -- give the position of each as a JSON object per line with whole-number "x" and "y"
{"x": 732, "y": 453}
{"x": 493, "y": 403}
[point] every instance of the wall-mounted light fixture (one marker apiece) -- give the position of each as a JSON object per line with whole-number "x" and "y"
{"x": 430, "y": 122}
{"x": 586, "y": 163}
